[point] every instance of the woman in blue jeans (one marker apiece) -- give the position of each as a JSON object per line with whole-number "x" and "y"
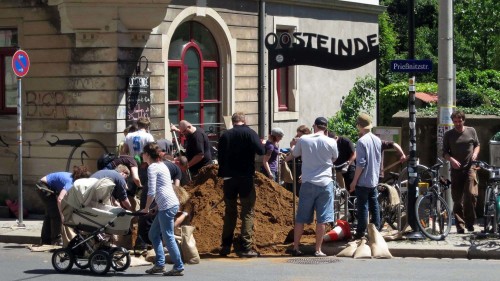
{"x": 160, "y": 190}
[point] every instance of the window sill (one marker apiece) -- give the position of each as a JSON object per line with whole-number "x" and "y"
{"x": 286, "y": 116}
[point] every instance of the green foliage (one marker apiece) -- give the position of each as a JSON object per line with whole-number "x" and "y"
{"x": 361, "y": 98}
{"x": 480, "y": 88}
{"x": 387, "y": 46}
{"x": 394, "y": 98}
{"x": 477, "y": 35}
{"x": 496, "y": 137}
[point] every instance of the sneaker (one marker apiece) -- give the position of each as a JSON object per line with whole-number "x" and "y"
{"x": 248, "y": 254}
{"x": 460, "y": 231}
{"x": 296, "y": 253}
{"x": 470, "y": 228}
{"x": 156, "y": 269}
{"x": 224, "y": 251}
{"x": 319, "y": 254}
{"x": 358, "y": 236}
{"x": 174, "y": 272}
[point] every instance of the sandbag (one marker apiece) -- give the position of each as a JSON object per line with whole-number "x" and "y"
{"x": 378, "y": 246}
{"x": 189, "y": 251}
{"x": 363, "y": 251}
{"x": 349, "y": 250}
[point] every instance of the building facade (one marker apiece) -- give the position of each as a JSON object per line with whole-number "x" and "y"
{"x": 98, "y": 65}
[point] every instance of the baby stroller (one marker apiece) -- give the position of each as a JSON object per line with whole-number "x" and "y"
{"x": 87, "y": 209}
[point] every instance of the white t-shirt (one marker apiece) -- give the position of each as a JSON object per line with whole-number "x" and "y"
{"x": 318, "y": 154}
{"x": 137, "y": 140}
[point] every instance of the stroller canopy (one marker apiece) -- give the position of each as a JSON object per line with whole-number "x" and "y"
{"x": 87, "y": 192}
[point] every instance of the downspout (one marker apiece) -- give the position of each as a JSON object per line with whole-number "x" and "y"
{"x": 262, "y": 70}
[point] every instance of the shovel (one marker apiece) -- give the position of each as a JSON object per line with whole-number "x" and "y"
{"x": 179, "y": 150}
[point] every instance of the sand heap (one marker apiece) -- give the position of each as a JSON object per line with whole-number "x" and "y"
{"x": 273, "y": 213}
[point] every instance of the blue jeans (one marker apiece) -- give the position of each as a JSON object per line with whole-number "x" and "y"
{"x": 367, "y": 197}
{"x": 163, "y": 225}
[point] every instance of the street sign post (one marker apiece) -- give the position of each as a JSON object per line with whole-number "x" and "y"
{"x": 412, "y": 66}
{"x": 20, "y": 66}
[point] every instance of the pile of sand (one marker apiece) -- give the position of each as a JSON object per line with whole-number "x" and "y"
{"x": 273, "y": 213}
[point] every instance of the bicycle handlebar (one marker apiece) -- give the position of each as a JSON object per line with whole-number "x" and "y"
{"x": 485, "y": 166}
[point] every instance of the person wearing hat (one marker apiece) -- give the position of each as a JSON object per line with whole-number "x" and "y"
{"x": 318, "y": 153}
{"x": 270, "y": 159}
{"x": 366, "y": 176}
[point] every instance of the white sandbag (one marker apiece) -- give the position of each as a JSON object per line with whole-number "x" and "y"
{"x": 363, "y": 251}
{"x": 349, "y": 250}
{"x": 378, "y": 246}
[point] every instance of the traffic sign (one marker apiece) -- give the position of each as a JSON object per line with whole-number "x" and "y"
{"x": 20, "y": 63}
{"x": 411, "y": 66}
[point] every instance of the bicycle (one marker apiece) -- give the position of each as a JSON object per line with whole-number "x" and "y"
{"x": 491, "y": 200}
{"x": 433, "y": 215}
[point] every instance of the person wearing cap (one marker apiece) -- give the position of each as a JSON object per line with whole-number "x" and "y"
{"x": 318, "y": 153}
{"x": 366, "y": 175}
{"x": 270, "y": 159}
{"x": 198, "y": 150}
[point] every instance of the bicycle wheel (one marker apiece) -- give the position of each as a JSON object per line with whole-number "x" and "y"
{"x": 388, "y": 209}
{"x": 433, "y": 216}
{"x": 490, "y": 214}
{"x": 424, "y": 176}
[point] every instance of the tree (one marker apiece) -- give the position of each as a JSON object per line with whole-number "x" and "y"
{"x": 359, "y": 99}
{"x": 477, "y": 34}
{"x": 388, "y": 43}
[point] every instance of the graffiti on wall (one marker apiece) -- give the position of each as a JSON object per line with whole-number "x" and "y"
{"x": 77, "y": 155}
{"x": 45, "y": 104}
{"x": 78, "y": 145}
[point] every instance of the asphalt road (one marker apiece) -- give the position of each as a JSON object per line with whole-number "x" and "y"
{"x": 18, "y": 263}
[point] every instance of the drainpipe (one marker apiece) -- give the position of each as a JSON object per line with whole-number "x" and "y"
{"x": 262, "y": 69}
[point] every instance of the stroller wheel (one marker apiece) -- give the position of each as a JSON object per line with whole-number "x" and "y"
{"x": 120, "y": 258}
{"x": 62, "y": 260}
{"x": 100, "y": 262}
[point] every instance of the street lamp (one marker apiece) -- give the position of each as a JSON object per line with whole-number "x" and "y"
{"x": 146, "y": 71}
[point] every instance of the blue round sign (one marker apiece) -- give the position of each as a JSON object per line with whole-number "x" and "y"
{"x": 20, "y": 63}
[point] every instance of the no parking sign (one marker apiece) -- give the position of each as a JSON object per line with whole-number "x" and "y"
{"x": 20, "y": 63}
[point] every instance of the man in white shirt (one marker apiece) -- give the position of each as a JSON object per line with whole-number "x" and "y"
{"x": 318, "y": 153}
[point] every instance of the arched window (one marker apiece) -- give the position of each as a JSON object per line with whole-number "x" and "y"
{"x": 193, "y": 77}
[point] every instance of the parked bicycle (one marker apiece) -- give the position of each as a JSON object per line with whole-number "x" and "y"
{"x": 433, "y": 215}
{"x": 391, "y": 202}
{"x": 491, "y": 199}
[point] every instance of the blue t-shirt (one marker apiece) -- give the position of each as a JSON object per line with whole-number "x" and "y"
{"x": 59, "y": 181}
{"x": 120, "y": 190}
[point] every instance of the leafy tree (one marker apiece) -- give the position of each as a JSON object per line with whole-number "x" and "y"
{"x": 477, "y": 34}
{"x": 388, "y": 43}
{"x": 361, "y": 98}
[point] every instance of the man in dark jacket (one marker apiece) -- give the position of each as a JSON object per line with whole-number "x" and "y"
{"x": 237, "y": 148}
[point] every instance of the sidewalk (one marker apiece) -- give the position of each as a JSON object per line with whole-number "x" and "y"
{"x": 466, "y": 246}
